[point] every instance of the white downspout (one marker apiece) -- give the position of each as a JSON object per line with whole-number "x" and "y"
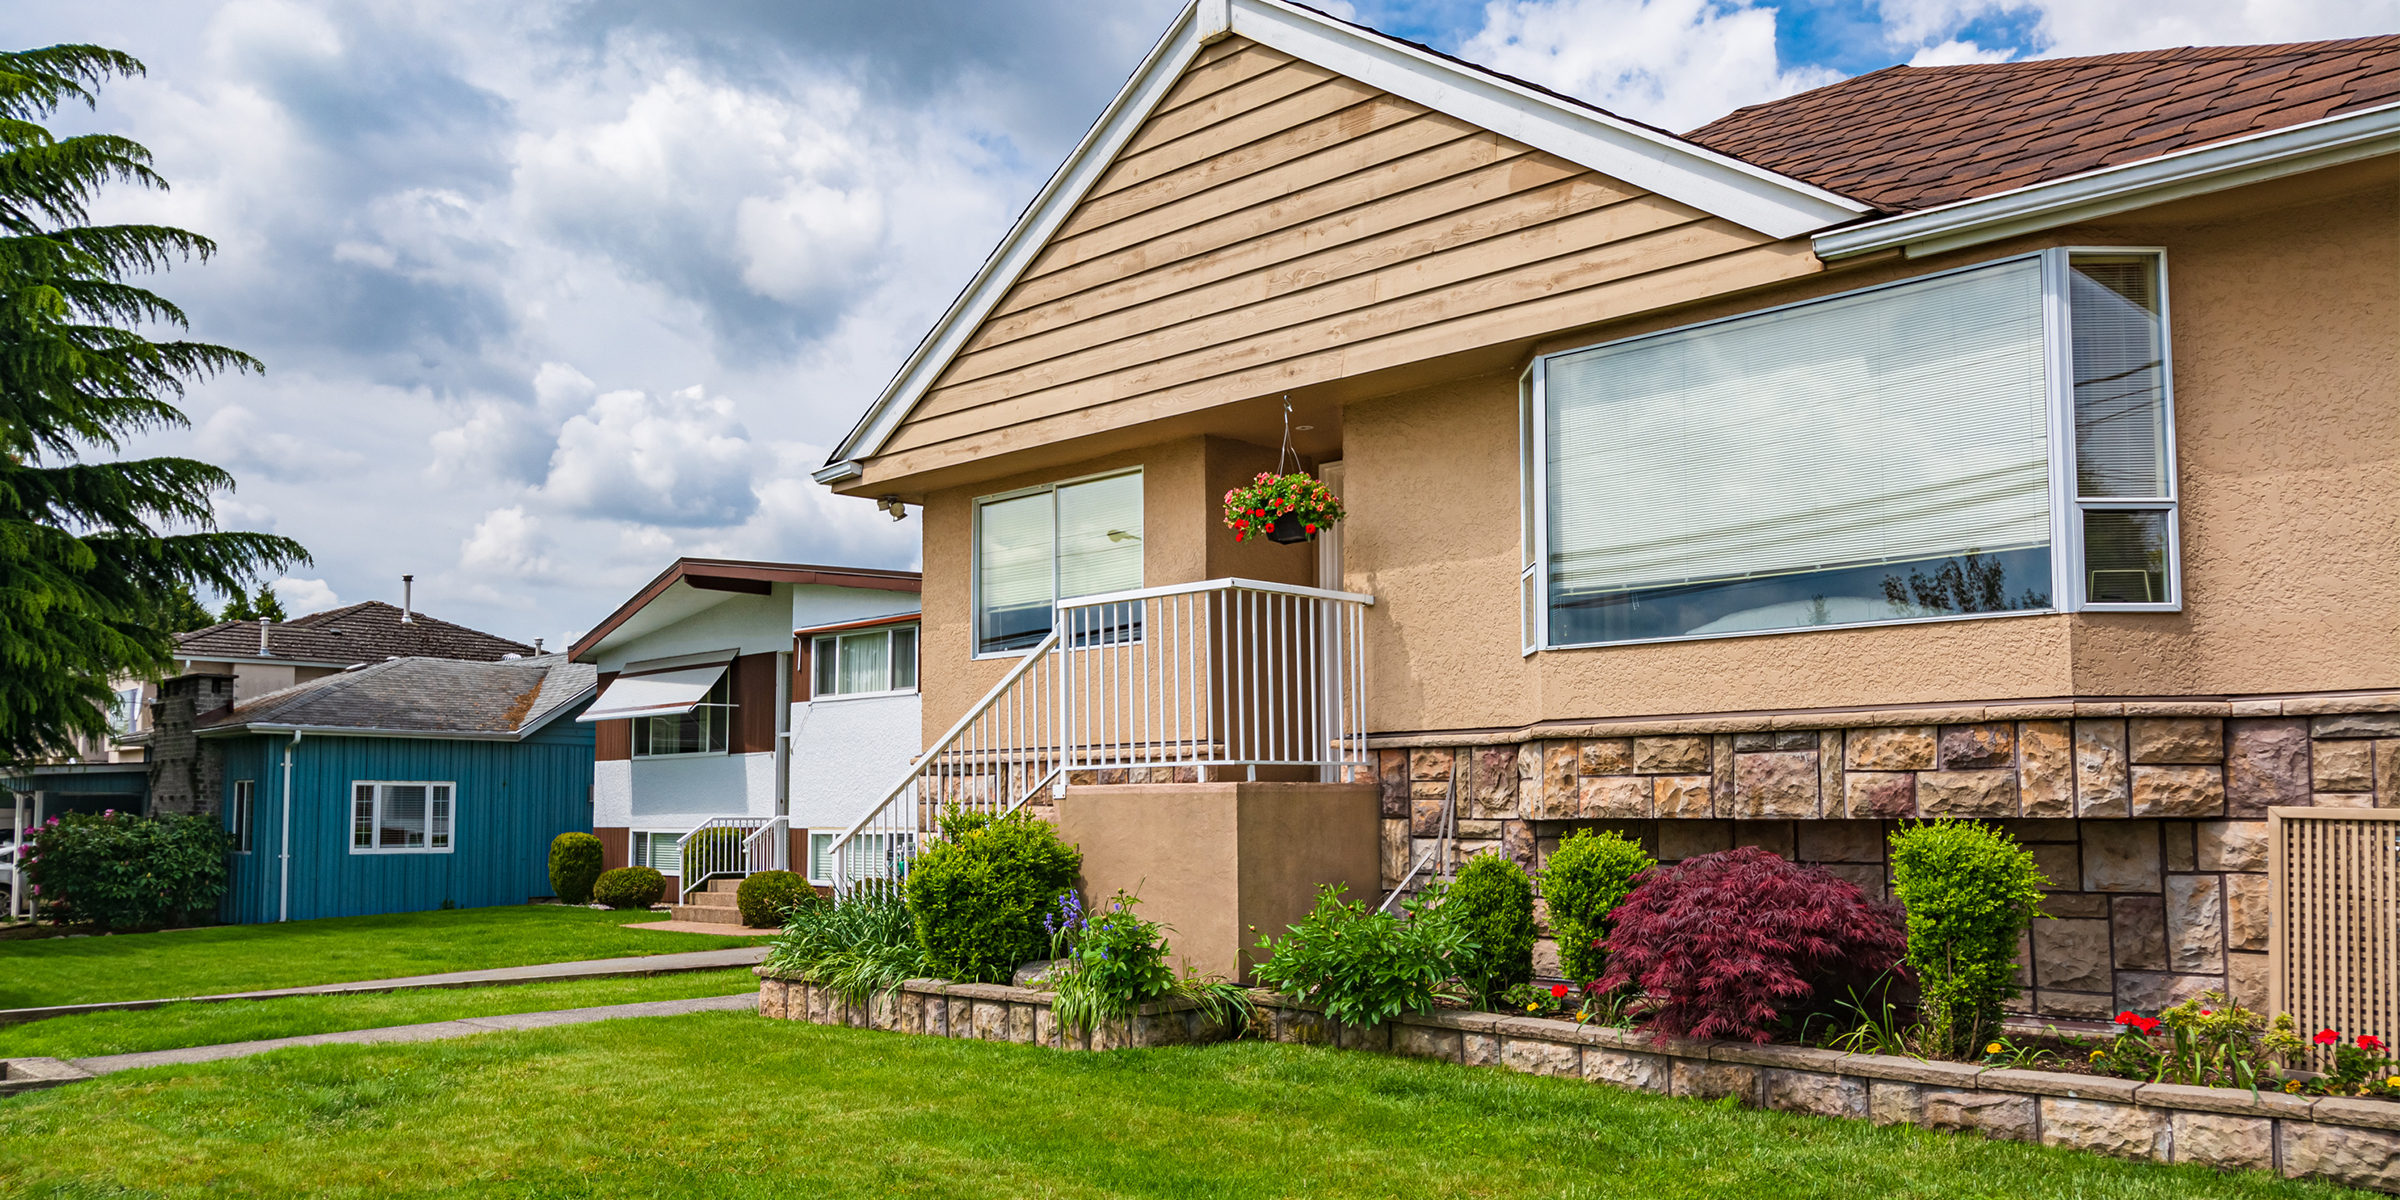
{"x": 283, "y": 886}
{"x": 784, "y": 660}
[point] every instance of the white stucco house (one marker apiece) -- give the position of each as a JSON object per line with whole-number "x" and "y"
{"x": 773, "y": 701}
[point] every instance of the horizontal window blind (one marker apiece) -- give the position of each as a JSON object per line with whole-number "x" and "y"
{"x": 1894, "y": 426}
{"x": 1013, "y": 554}
{"x": 1100, "y": 536}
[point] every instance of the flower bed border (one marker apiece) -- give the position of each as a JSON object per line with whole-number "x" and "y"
{"x": 2346, "y": 1141}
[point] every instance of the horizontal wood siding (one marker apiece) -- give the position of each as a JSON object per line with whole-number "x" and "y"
{"x": 612, "y": 741}
{"x": 1273, "y": 225}
{"x": 512, "y": 799}
{"x": 753, "y": 729}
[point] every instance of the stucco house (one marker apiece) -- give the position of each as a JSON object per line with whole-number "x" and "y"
{"x": 760, "y": 698}
{"x": 2012, "y": 441}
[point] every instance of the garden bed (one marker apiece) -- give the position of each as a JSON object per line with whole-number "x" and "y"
{"x": 2347, "y": 1141}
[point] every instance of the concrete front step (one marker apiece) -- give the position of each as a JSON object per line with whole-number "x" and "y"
{"x": 708, "y": 914}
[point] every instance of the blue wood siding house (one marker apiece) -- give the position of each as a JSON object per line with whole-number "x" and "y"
{"x": 410, "y": 784}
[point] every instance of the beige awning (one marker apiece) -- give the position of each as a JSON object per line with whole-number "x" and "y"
{"x": 654, "y": 694}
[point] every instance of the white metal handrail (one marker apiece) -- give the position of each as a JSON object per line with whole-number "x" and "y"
{"x": 723, "y": 847}
{"x": 1225, "y": 673}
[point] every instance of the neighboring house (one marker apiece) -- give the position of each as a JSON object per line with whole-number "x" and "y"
{"x": 402, "y": 785}
{"x": 2004, "y": 440}
{"x": 707, "y": 670}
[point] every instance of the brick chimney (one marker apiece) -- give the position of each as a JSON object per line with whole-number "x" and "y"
{"x": 186, "y": 775}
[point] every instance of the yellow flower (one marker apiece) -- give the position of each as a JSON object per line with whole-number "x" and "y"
{"x": 2097, "y": 1055}
{"x": 1994, "y": 1048}
{"x": 2291, "y": 1086}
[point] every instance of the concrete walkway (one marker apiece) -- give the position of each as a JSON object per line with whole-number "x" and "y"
{"x": 593, "y": 968}
{"x": 29, "y": 1074}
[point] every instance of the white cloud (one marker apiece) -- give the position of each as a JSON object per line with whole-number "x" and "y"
{"x": 1676, "y": 64}
{"x": 678, "y": 459}
{"x": 1954, "y": 52}
{"x": 304, "y": 596}
{"x": 240, "y": 439}
{"x": 510, "y": 543}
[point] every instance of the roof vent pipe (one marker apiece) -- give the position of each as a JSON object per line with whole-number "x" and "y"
{"x": 263, "y": 652}
{"x": 408, "y": 606}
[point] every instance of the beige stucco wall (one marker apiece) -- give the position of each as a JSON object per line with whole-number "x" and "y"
{"x": 1183, "y": 541}
{"x": 2284, "y": 313}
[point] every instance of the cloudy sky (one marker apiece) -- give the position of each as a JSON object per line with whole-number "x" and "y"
{"x": 553, "y": 291}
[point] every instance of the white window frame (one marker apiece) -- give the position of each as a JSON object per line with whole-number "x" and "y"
{"x": 382, "y": 787}
{"x": 125, "y": 712}
{"x": 646, "y": 837}
{"x": 2067, "y": 584}
{"x": 975, "y": 560}
{"x": 719, "y": 713}
{"x": 243, "y": 812}
{"x": 817, "y": 642}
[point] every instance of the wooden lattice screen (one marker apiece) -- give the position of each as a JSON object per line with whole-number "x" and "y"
{"x": 2335, "y": 938}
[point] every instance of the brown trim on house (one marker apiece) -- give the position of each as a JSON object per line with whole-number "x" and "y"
{"x": 753, "y": 693}
{"x": 612, "y": 741}
{"x": 615, "y": 844}
{"x": 720, "y": 583}
{"x": 801, "y": 678}
{"x": 723, "y": 570}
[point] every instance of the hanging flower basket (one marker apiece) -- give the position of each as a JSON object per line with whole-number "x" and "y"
{"x": 1281, "y": 508}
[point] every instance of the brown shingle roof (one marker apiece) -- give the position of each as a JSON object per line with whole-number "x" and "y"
{"x": 355, "y": 633}
{"x": 1908, "y": 138}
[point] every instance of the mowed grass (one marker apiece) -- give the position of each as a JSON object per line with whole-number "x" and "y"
{"x": 727, "y": 1104}
{"x": 178, "y": 1025}
{"x": 242, "y": 958}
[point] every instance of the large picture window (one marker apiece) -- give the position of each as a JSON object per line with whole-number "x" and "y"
{"x": 700, "y": 731}
{"x": 400, "y": 818}
{"x": 1887, "y": 455}
{"x": 1035, "y": 548}
{"x": 865, "y": 663}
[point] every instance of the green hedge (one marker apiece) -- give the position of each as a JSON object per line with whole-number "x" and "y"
{"x": 121, "y": 871}
{"x": 629, "y": 887}
{"x": 979, "y": 893}
{"x": 767, "y": 897}
{"x": 1491, "y": 902}
{"x": 1970, "y": 892}
{"x": 574, "y": 865}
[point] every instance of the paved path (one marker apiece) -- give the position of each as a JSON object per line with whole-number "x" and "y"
{"x": 593, "y": 968}
{"x": 705, "y": 927}
{"x": 428, "y": 1032}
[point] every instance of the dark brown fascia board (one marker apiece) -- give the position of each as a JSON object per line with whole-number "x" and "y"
{"x": 805, "y": 574}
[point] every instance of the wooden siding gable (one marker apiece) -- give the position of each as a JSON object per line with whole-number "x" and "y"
{"x": 1273, "y": 193}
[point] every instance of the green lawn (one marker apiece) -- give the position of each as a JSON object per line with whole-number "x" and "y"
{"x": 240, "y": 958}
{"x": 727, "y": 1104}
{"x": 179, "y": 1025}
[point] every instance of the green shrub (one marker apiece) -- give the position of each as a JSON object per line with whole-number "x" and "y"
{"x": 1491, "y": 903}
{"x": 1582, "y": 883}
{"x": 766, "y": 896}
{"x": 979, "y": 897}
{"x": 574, "y": 864}
{"x": 121, "y": 871}
{"x": 629, "y": 887}
{"x": 1116, "y": 962}
{"x": 1970, "y": 892}
{"x": 864, "y": 943}
{"x": 1363, "y": 966}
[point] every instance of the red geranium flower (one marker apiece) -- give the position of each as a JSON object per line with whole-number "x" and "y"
{"x": 1558, "y": 991}
{"x": 2327, "y": 1037}
{"x": 2368, "y": 1041}
{"x": 2148, "y": 1025}
{"x": 2127, "y": 1017}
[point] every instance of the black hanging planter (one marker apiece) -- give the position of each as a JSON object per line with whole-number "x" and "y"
{"x": 1289, "y": 529}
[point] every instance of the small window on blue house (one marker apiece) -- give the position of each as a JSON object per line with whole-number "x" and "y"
{"x": 400, "y": 818}
{"x": 237, "y": 817}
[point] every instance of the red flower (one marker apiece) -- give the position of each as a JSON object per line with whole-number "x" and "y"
{"x": 1558, "y": 991}
{"x": 2327, "y": 1037}
{"x": 2148, "y": 1025}
{"x": 2127, "y": 1017}
{"x": 2204, "y": 1012}
{"x": 2368, "y": 1041}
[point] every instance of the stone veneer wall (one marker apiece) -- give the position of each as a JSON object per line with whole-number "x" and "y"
{"x": 2148, "y": 817}
{"x": 2356, "y": 1142}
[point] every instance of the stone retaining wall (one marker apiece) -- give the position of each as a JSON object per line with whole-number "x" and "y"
{"x": 2148, "y": 817}
{"x": 2353, "y": 1142}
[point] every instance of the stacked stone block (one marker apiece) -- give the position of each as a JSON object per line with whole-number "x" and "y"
{"x": 2148, "y": 818}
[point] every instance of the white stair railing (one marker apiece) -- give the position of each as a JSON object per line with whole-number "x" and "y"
{"x": 722, "y": 847}
{"x": 1157, "y": 685}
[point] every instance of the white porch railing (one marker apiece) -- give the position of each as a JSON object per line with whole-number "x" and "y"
{"x": 1188, "y": 680}
{"x": 731, "y": 846}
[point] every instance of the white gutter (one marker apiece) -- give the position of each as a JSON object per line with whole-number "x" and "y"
{"x": 283, "y": 901}
{"x": 2216, "y": 167}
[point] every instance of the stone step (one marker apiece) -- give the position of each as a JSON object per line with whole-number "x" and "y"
{"x": 709, "y": 914}
{"x": 711, "y": 899}
{"x": 725, "y": 884}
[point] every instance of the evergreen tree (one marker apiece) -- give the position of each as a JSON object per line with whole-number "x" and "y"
{"x": 261, "y": 605}
{"x": 97, "y": 559}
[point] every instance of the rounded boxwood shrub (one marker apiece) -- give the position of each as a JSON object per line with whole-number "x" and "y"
{"x": 978, "y": 896}
{"x": 1491, "y": 902}
{"x": 1728, "y": 945}
{"x": 574, "y": 864}
{"x": 1970, "y": 892}
{"x": 1584, "y": 881}
{"x": 767, "y": 897}
{"x": 629, "y": 887}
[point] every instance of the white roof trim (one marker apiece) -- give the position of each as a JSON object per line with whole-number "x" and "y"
{"x": 2216, "y": 167}
{"x": 1749, "y": 196}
